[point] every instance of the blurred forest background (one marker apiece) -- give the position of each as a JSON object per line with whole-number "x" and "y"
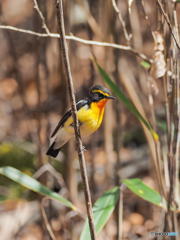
{"x": 33, "y": 96}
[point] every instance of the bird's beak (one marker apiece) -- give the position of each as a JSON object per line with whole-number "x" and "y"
{"x": 111, "y": 97}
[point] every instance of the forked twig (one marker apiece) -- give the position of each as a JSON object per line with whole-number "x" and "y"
{"x": 69, "y": 79}
{"x": 44, "y": 25}
{"x": 127, "y": 36}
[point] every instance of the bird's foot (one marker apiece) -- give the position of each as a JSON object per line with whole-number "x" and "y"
{"x": 84, "y": 148}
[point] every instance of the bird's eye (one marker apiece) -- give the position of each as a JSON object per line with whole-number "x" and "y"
{"x": 96, "y": 95}
{"x": 101, "y": 95}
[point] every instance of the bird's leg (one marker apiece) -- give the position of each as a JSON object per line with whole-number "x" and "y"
{"x": 80, "y": 123}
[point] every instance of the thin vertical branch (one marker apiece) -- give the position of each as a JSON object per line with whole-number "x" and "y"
{"x": 177, "y": 82}
{"x": 47, "y": 224}
{"x": 170, "y": 221}
{"x": 118, "y": 145}
{"x": 177, "y": 144}
{"x": 39, "y": 119}
{"x": 38, "y": 53}
{"x": 69, "y": 79}
{"x": 166, "y": 105}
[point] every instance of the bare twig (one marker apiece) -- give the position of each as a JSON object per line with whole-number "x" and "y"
{"x": 7, "y": 27}
{"x": 118, "y": 145}
{"x": 168, "y": 23}
{"x": 77, "y": 39}
{"x": 69, "y": 79}
{"x": 47, "y": 224}
{"x": 49, "y": 168}
{"x": 44, "y": 25}
{"x": 127, "y": 36}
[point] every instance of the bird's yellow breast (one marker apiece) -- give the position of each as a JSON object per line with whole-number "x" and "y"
{"x": 90, "y": 118}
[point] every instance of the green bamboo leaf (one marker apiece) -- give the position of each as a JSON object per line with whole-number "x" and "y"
{"x": 33, "y": 185}
{"x": 145, "y": 64}
{"x": 129, "y": 104}
{"x": 145, "y": 192}
{"x": 102, "y": 211}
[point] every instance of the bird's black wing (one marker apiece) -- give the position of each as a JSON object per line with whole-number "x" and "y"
{"x": 79, "y": 104}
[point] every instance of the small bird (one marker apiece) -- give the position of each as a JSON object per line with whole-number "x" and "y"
{"x": 90, "y": 112}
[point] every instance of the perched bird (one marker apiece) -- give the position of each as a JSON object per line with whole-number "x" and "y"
{"x": 90, "y": 113}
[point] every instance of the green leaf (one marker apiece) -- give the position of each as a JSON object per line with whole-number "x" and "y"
{"x": 33, "y": 185}
{"x": 145, "y": 64}
{"x": 102, "y": 211}
{"x": 145, "y": 192}
{"x": 12, "y": 154}
{"x": 129, "y": 104}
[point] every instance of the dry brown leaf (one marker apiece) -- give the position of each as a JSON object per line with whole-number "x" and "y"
{"x": 136, "y": 218}
{"x": 158, "y": 68}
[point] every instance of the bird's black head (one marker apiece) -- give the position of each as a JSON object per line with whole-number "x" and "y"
{"x": 98, "y": 93}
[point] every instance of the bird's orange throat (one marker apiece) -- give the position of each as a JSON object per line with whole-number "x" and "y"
{"x": 101, "y": 104}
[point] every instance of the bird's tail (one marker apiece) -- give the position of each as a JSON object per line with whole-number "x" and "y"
{"x": 52, "y": 151}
